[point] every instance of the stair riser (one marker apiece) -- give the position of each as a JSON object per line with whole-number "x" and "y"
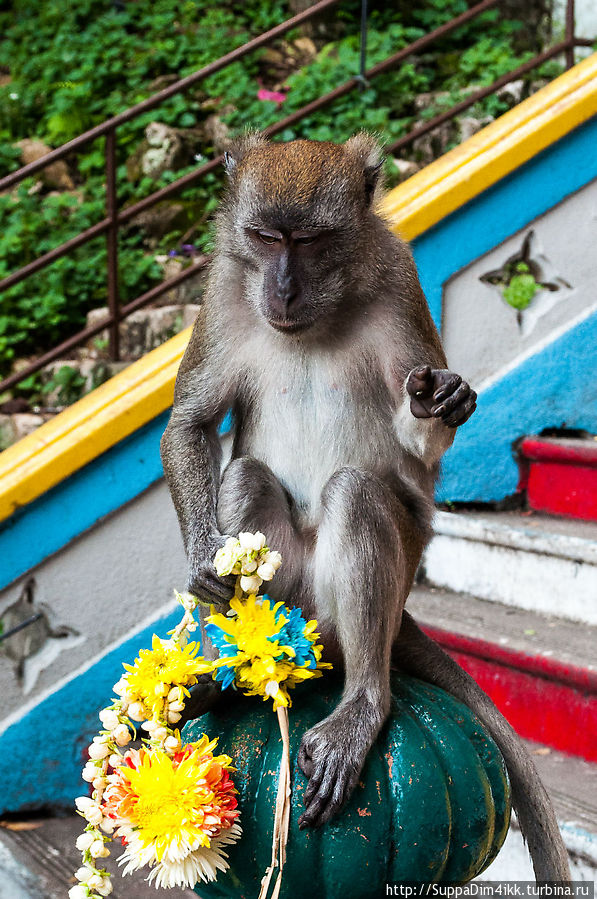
{"x": 543, "y": 700}
{"x": 538, "y": 582}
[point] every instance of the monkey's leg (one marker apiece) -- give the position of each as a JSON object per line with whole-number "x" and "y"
{"x": 251, "y": 498}
{"x": 363, "y": 572}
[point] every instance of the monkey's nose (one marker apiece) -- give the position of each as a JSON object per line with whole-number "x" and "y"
{"x": 286, "y": 292}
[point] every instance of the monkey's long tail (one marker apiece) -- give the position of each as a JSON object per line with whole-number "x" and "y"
{"x": 418, "y": 654}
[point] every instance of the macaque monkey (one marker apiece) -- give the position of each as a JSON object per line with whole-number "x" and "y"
{"x": 315, "y": 332}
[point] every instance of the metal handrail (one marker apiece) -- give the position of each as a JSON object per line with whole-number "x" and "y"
{"x": 115, "y": 219}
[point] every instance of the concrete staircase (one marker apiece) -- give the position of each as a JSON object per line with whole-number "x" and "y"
{"x": 526, "y": 560}
{"x": 513, "y": 597}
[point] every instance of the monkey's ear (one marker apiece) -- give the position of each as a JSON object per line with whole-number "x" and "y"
{"x": 239, "y": 149}
{"x": 369, "y": 154}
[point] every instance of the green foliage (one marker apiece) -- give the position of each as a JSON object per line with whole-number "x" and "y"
{"x": 68, "y": 384}
{"x": 522, "y": 287}
{"x": 71, "y": 65}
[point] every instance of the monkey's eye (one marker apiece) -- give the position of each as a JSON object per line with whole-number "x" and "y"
{"x": 305, "y": 239}
{"x": 266, "y": 237}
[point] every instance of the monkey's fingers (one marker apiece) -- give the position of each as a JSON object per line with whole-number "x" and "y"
{"x": 451, "y": 401}
{"x": 445, "y": 383}
{"x": 208, "y": 586}
{"x": 420, "y": 382}
{"x": 462, "y": 412}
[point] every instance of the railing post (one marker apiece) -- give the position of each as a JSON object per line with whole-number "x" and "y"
{"x": 112, "y": 245}
{"x": 570, "y": 34}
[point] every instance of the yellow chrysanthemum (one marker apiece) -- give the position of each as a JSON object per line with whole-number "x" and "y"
{"x": 156, "y": 670}
{"x": 174, "y": 804}
{"x": 253, "y": 653}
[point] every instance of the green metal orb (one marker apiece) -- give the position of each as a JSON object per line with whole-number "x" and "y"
{"x": 433, "y": 803}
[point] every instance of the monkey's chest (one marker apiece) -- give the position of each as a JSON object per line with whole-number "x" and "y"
{"x": 306, "y": 432}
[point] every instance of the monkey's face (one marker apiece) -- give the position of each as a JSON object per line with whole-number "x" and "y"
{"x": 294, "y": 219}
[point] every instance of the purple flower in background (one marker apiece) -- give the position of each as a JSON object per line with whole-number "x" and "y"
{"x": 189, "y": 249}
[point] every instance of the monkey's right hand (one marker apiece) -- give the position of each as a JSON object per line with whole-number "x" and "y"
{"x": 204, "y": 582}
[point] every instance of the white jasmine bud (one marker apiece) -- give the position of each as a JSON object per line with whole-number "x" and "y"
{"x": 83, "y": 802}
{"x": 172, "y": 718}
{"x": 273, "y": 558}
{"x": 248, "y": 566}
{"x": 99, "y": 782}
{"x": 98, "y": 849}
{"x": 122, "y": 735}
{"x": 176, "y": 706}
{"x": 266, "y": 571}
{"x": 89, "y": 772}
{"x": 136, "y": 711}
{"x": 175, "y": 694}
{"x": 115, "y": 760}
{"x": 250, "y": 584}
{"x": 121, "y": 686}
{"x": 98, "y": 750}
{"x": 83, "y": 874}
{"x": 171, "y": 744}
{"x": 94, "y": 815}
{"x": 85, "y": 840}
{"x": 107, "y": 825}
{"x": 161, "y": 689}
{"x": 95, "y": 882}
{"x": 106, "y": 887}
{"x": 258, "y": 541}
{"x": 78, "y": 892}
{"x": 109, "y": 718}
{"x": 160, "y": 733}
{"x": 246, "y": 541}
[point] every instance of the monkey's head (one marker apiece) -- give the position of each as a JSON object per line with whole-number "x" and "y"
{"x": 296, "y": 218}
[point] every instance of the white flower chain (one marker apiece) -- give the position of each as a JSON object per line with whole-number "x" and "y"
{"x": 104, "y": 752}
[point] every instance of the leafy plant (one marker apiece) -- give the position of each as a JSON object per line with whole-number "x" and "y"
{"x": 70, "y": 66}
{"x": 522, "y": 287}
{"x": 68, "y": 383}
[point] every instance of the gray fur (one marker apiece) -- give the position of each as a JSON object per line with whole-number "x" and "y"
{"x": 327, "y": 355}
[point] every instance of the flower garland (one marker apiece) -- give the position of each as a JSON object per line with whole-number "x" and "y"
{"x": 264, "y": 650}
{"x": 174, "y": 805}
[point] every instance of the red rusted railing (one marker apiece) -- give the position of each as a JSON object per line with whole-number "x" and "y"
{"x": 115, "y": 219}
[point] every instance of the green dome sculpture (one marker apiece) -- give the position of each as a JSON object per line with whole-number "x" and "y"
{"x": 432, "y": 805}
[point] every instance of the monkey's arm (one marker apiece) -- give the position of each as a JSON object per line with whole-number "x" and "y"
{"x": 191, "y": 457}
{"x": 434, "y": 403}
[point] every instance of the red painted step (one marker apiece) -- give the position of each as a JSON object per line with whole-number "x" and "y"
{"x": 560, "y": 475}
{"x": 544, "y": 700}
{"x": 541, "y": 671}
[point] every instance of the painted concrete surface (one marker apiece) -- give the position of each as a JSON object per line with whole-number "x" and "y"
{"x": 481, "y": 333}
{"x": 508, "y": 561}
{"x": 74, "y": 505}
{"x": 514, "y": 863}
{"x": 43, "y": 743}
{"x": 101, "y": 585}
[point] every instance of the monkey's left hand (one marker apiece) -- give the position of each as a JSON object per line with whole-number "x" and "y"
{"x": 439, "y": 393}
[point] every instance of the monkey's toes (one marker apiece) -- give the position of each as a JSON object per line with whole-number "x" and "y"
{"x": 332, "y": 777}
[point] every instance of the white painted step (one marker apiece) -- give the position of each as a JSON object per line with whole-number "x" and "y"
{"x": 534, "y": 562}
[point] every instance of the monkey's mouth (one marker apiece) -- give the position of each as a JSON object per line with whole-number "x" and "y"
{"x": 289, "y": 325}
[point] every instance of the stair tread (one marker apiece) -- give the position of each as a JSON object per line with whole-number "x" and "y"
{"x": 568, "y": 538}
{"x": 530, "y": 632}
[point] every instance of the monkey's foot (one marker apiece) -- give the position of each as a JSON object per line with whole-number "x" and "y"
{"x": 205, "y": 694}
{"x": 331, "y": 755}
